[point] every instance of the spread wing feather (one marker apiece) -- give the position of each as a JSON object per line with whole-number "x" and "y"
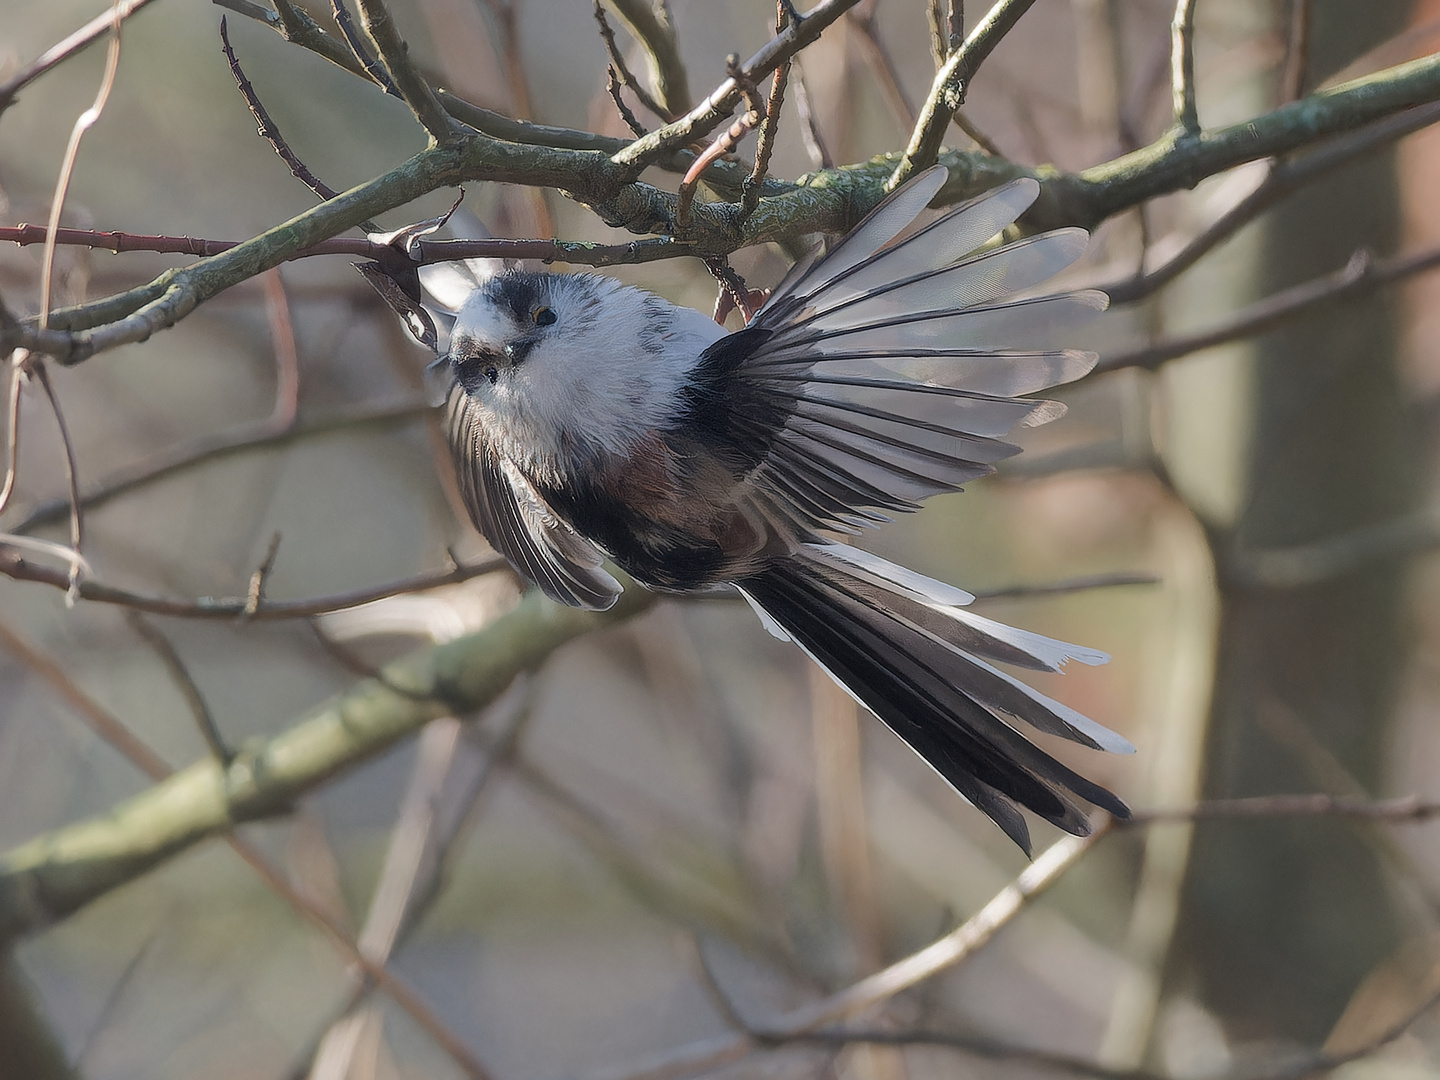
{"x": 891, "y": 364}
{"x": 518, "y": 522}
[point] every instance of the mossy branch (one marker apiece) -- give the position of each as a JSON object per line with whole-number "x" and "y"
{"x": 59, "y": 872}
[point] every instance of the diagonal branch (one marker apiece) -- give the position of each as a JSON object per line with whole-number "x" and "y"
{"x": 59, "y": 872}
{"x": 713, "y": 111}
{"x": 952, "y": 83}
{"x": 395, "y": 54}
{"x": 651, "y": 26}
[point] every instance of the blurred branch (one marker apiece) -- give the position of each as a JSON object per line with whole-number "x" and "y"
{"x": 57, "y": 54}
{"x": 29, "y": 1049}
{"x": 1360, "y": 276}
{"x": 1283, "y": 179}
{"x": 452, "y": 768}
{"x": 1070, "y": 585}
{"x": 185, "y": 683}
{"x": 622, "y": 76}
{"x": 14, "y": 565}
{"x": 59, "y": 872}
{"x": 881, "y": 65}
{"x": 1333, "y": 556}
{"x": 204, "y": 449}
{"x": 1182, "y": 68}
{"x": 940, "y": 955}
{"x": 650, "y": 24}
{"x": 27, "y": 893}
{"x": 1297, "y": 50}
{"x": 1410, "y": 809}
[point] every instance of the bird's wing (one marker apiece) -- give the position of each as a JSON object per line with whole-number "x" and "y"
{"x": 519, "y": 523}
{"x": 889, "y": 371}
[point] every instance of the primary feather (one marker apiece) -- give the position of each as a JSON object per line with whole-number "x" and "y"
{"x": 587, "y": 418}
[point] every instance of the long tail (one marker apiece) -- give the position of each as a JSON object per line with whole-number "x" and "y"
{"x": 905, "y": 646}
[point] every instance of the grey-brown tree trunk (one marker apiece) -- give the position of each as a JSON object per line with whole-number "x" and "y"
{"x": 1281, "y": 919}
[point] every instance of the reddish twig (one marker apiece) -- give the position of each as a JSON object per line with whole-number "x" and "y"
{"x": 735, "y": 295}
{"x": 287, "y": 353}
{"x": 685, "y": 196}
{"x": 765, "y": 142}
{"x": 421, "y": 252}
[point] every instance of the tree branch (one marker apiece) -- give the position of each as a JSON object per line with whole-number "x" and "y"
{"x": 59, "y": 872}
{"x": 652, "y": 28}
{"x": 395, "y": 54}
{"x": 952, "y": 83}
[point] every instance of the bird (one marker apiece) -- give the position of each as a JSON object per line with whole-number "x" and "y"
{"x": 589, "y": 419}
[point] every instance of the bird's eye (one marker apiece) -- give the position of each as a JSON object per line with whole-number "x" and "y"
{"x": 544, "y": 316}
{"x": 492, "y": 375}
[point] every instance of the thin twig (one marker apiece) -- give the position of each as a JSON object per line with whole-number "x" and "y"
{"x": 1408, "y": 810}
{"x": 820, "y": 156}
{"x": 765, "y": 141}
{"x": 185, "y": 683}
{"x": 685, "y": 196}
{"x": 614, "y": 84}
{"x": 267, "y": 127}
{"x": 939, "y": 32}
{"x": 15, "y": 375}
{"x": 395, "y": 54}
{"x": 951, "y": 84}
{"x": 255, "y": 592}
{"x": 58, "y": 53}
{"x": 215, "y": 446}
{"x": 882, "y": 67}
{"x": 1182, "y": 67}
{"x": 287, "y": 353}
{"x": 1283, "y": 179}
{"x": 72, "y": 477}
{"x": 940, "y": 955}
{"x": 650, "y": 23}
{"x": 985, "y": 142}
{"x": 624, "y": 75}
{"x": 83, "y": 123}
{"x": 14, "y": 565}
{"x": 421, "y": 253}
{"x": 712, "y": 112}
{"x": 372, "y": 67}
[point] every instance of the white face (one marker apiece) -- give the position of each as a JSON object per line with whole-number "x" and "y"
{"x": 573, "y": 366}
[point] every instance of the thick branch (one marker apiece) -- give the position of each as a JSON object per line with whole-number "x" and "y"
{"x": 58, "y": 873}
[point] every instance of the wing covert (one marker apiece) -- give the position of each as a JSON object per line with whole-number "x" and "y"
{"x": 519, "y": 523}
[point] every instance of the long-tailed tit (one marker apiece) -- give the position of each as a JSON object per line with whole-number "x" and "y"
{"x": 587, "y": 418}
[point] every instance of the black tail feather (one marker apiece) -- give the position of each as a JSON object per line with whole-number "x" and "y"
{"x": 911, "y": 681}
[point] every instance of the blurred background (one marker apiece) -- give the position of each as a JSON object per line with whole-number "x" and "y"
{"x": 675, "y": 825}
